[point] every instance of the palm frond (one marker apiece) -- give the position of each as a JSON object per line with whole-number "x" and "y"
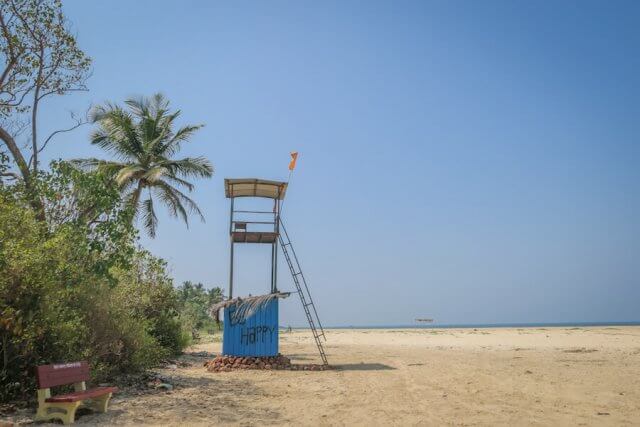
{"x": 159, "y": 132}
{"x": 89, "y": 164}
{"x": 103, "y": 166}
{"x": 99, "y": 111}
{"x": 159, "y": 102}
{"x": 148, "y": 132}
{"x": 198, "y": 167}
{"x": 174, "y": 179}
{"x": 132, "y": 199}
{"x": 191, "y": 205}
{"x": 183, "y": 134}
{"x": 155, "y": 173}
{"x": 139, "y": 105}
{"x": 117, "y": 134}
{"x": 184, "y": 200}
{"x": 167, "y": 195}
{"x": 128, "y": 173}
{"x": 149, "y": 217}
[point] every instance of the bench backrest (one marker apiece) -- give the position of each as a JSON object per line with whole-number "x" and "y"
{"x": 62, "y": 373}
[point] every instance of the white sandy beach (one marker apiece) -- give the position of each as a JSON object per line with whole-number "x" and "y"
{"x": 526, "y": 376}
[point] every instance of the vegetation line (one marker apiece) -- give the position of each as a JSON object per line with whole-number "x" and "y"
{"x": 75, "y": 284}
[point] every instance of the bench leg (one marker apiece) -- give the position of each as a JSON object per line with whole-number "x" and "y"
{"x": 42, "y": 412}
{"x": 70, "y": 412}
{"x": 67, "y": 417}
{"x": 101, "y": 403}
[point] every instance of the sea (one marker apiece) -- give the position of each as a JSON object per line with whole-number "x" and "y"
{"x": 435, "y": 325}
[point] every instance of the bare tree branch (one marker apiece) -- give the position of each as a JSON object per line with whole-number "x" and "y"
{"x": 13, "y": 59}
{"x": 34, "y": 110}
{"x": 10, "y": 174}
{"x": 41, "y": 58}
{"x": 76, "y": 126}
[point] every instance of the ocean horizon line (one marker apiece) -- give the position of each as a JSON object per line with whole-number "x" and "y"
{"x": 476, "y": 325}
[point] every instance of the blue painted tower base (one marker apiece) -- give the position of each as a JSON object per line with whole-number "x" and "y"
{"x": 255, "y": 336}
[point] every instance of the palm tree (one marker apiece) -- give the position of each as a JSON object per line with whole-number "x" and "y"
{"x": 144, "y": 143}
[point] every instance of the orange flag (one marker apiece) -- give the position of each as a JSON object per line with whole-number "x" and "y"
{"x": 294, "y": 158}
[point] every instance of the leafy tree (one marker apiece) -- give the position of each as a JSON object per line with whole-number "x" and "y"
{"x": 215, "y": 295}
{"x": 75, "y": 287}
{"x": 195, "y": 301}
{"x": 143, "y": 138}
{"x": 146, "y": 292}
{"x": 52, "y": 281}
{"x": 41, "y": 59}
{"x": 89, "y": 203}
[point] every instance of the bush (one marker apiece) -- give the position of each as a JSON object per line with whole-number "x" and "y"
{"x": 194, "y": 302}
{"x": 76, "y": 288}
{"x": 41, "y": 317}
{"x": 148, "y": 294}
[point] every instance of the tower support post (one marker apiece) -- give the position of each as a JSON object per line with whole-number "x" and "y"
{"x": 231, "y": 251}
{"x": 276, "y": 229}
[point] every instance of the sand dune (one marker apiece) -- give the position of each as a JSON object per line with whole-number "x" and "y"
{"x": 527, "y": 376}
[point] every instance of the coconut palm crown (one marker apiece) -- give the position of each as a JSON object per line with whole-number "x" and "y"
{"x": 143, "y": 141}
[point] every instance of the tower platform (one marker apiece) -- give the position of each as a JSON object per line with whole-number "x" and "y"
{"x": 254, "y": 237}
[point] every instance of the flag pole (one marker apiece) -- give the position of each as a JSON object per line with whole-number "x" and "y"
{"x": 292, "y": 166}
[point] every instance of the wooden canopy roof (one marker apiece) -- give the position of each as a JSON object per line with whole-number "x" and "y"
{"x": 253, "y": 187}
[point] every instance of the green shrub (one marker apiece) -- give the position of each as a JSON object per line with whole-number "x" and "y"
{"x": 194, "y": 303}
{"x": 76, "y": 287}
{"x": 147, "y": 292}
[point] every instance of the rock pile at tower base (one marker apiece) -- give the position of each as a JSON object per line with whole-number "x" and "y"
{"x": 279, "y": 362}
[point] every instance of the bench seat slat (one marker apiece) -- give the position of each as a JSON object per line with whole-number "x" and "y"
{"x": 82, "y": 395}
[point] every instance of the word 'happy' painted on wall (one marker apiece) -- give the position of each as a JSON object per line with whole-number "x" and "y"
{"x": 256, "y": 335}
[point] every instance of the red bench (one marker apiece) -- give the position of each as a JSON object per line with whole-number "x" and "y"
{"x": 64, "y": 406}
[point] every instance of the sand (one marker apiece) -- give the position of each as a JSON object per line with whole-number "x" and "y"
{"x": 527, "y": 376}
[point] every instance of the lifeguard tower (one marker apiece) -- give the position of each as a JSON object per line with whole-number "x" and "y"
{"x": 251, "y": 323}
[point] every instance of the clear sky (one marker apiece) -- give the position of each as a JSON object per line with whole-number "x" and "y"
{"x": 468, "y": 161}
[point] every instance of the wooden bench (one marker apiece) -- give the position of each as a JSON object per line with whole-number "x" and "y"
{"x": 64, "y": 406}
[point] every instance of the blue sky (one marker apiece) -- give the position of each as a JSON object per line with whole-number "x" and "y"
{"x": 468, "y": 161}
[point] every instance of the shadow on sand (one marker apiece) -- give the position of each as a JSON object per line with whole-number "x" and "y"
{"x": 294, "y": 357}
{"x": 362, "y": 367}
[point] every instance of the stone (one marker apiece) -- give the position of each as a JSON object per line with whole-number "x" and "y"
{"x": 280, "y": 362}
